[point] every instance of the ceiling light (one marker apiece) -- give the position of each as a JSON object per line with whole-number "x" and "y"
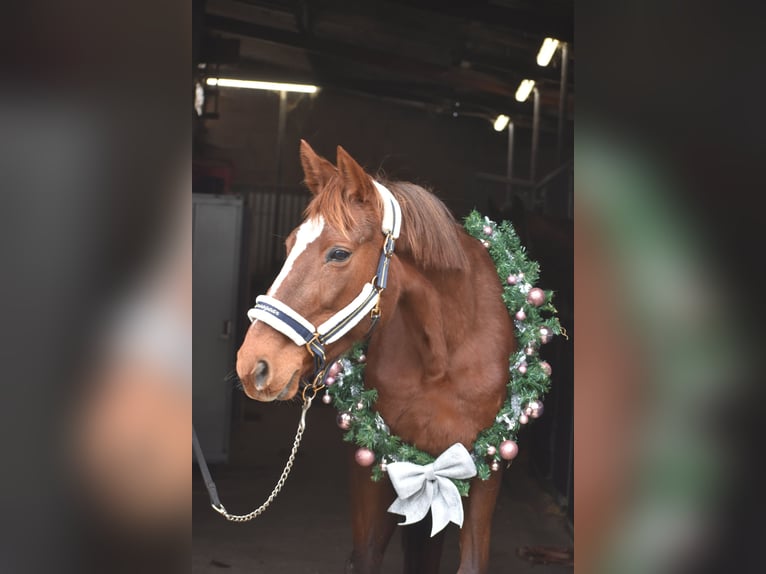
{"x": 500, "y": 122}
{"x": 524, "y": 89}
{"x": 199, "y": 98}
{"x": 256, "y": 85}
{"x": 546, "y": 51}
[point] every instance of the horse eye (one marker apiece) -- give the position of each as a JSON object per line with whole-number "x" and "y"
{"x": 337, "y": 254}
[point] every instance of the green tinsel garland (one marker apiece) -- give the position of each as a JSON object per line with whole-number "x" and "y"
{"x": 367, "y": 428}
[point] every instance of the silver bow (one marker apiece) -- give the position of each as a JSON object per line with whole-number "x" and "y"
{"x": 423, "y": 488}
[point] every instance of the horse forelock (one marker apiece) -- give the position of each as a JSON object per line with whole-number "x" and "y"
{"x": 333, "y": 206}
{"x": 430, "y": 234}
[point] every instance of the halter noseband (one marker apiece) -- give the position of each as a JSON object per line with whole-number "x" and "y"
{"x": 301, "y": 331}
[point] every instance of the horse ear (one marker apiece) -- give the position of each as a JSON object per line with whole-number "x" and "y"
{"x": 356, "y": 181}
{"x": 317, "y": 170}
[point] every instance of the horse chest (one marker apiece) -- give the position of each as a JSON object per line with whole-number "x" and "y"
{"x": 432, "y": 417}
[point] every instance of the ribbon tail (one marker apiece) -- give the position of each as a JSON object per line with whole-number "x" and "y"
{"x": 447, "y": 506}
{"x": 440, "y": 518}
{"x": 414, "y": 508}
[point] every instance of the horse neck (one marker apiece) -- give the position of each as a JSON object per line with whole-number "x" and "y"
{"x": 422, "y": 322}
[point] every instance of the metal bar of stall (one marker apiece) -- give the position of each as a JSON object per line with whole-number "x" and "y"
{"x": 535, "y": 134}
{"x": 562, "y": 100}
{"x": 509, "y": 165}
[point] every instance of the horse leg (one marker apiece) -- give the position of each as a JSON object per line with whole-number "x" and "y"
{"x": 422, "y": 554}
{"x": 371, "y": 522}
{"x": 477, "y": 524}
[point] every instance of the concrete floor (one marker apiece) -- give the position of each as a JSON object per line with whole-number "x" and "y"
{"x": 307, "y": 529}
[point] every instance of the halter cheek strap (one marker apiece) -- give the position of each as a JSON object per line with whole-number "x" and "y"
{"x": 300, "y": 331}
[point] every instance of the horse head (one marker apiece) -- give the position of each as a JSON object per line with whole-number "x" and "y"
{"x": 332, "y": 259}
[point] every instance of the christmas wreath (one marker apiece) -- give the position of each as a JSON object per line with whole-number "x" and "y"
{"x": 535, "y": 323}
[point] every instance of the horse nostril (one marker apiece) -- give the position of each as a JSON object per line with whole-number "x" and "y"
{"x": 261, "y": 374}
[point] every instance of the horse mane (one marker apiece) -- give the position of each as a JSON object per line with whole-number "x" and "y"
{"x": 430, "y": 234}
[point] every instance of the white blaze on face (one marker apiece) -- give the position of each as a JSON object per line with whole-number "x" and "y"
{"x": 307, "y": 233}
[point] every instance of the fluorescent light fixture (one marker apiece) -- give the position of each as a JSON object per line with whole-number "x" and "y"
{"x": 256, "y": 85}
{"x": 524, "y": 89}
{"x": 199, "y": 98}
{"x": 500, "y": 122}
{"x": 546, "y": 51}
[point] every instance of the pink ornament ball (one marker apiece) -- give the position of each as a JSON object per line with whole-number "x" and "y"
{"x": 537, "y": 409}
{"x": 335, "y": 369}
{"x": 364, "y": 457}
{"x": 523, "y": 419}
{"x": 508, "y": 450}
{"x": 485, "y": 243}
{"x": 487, "y": 230}
{"x": 491, "y": 450}
{"x": 495, "y": 466}
{"x": 546, "y": 335}
{"x": 362, "y": 358}
{"x": 536, "y": 296}
{"x": 522, "y": 368}
{"x": 529, "y": 350}
{"x": 344, "y": 420}
{"x": 512, "y": 279}
{"x": 329, "y": 381}
{"x": 326, "y": 399}
{"x": 546, "y": 368}
{"x": 521, "y": 315}
{"x": 359, "y": 406}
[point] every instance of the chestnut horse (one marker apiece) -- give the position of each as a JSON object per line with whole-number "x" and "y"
{"x": 438, "y": 355}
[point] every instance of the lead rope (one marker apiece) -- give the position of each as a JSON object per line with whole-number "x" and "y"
{"x": 221, "y": 509}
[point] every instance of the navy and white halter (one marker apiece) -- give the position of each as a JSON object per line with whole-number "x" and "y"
{"x": 301, "y": 331}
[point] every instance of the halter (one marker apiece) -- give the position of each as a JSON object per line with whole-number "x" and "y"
{"x": 302, "y": 332}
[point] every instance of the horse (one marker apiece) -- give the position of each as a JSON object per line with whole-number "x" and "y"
{"x": 439, "y": 341}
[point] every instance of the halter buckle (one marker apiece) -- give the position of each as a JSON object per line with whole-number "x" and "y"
{"x": 375, "y": 313}
{"x": 388, "y": 245}
{"x": 314, "y": 340}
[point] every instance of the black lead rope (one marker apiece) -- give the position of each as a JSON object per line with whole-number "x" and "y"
{"x": 212, "y": 491}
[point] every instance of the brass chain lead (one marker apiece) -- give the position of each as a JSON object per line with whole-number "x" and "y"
{"x": 285, "y": 473}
